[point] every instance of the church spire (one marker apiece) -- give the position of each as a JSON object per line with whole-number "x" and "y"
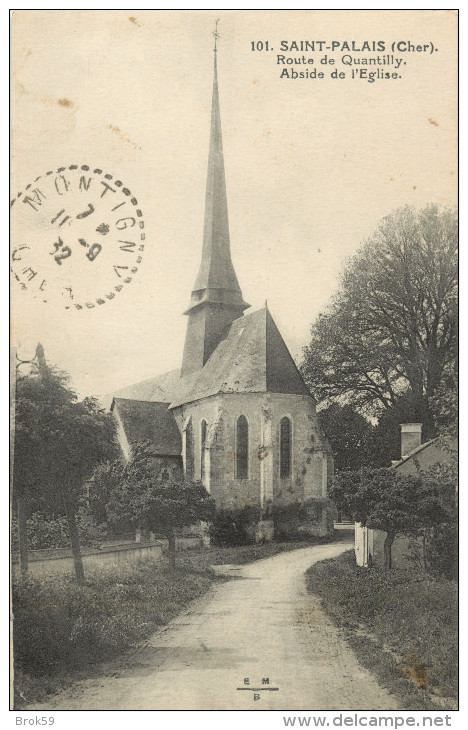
{"x": 216, "y": 297}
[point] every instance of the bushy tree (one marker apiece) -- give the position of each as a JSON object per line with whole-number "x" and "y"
{"x": 391, "y": 328}
{"x": 59, "y": 440}
{"x": 146, "y": 495}
{"x": 350, "y": 436}
{"x": 440, "y": 542}
{"x": 384, "y": 499}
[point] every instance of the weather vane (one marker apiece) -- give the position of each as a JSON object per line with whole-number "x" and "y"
{"x": 216, "y": 35}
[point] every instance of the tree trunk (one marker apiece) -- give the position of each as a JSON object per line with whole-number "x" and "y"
{"x": 74, "y": 540}
{"x": 424, "y": 549}
{"x": 22, "y": 535}
{"x": 388, "y": 550}
{"x": 172, "y": 548}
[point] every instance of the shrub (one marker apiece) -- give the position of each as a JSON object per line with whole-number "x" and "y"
{"x": 442, "y": 550}
{"x": 60, "y": 626}
{"x": 48, "y": 533}
{"x": 435, "y": 550}
{"x": 234, "y": 526}
{"x": 295, "y": 521}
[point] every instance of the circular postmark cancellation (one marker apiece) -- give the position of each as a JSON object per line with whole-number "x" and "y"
{"x": 77, "y": 237}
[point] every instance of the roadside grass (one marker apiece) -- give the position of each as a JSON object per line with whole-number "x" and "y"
{"x": 61, "y": 628}
{"x": 62, "y": 631}
{"x": 402, "y": 624}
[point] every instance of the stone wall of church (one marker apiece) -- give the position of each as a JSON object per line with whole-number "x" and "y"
{"x": 216, "y": 462}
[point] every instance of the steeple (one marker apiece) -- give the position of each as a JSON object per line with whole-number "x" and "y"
{"x": 216, "y": 297}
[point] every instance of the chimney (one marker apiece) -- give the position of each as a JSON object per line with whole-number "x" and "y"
{"x": 410, "y": 437}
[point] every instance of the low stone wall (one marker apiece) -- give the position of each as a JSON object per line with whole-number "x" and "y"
{"x": 347, "y": 526}
{"x": 106, "y": 558}
{"x": 189, "y": 542}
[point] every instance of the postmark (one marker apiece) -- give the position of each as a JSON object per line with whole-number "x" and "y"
{"x": 77, "y": 237}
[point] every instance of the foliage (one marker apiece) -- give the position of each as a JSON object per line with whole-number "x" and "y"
{"x": 60, "y": 627}
{"x": 58, "y": 441}
{"x": 434, "y": 550}
{"x": 391, "y": 328}
{"x": 146, "y": 494}
{"x": 444, "y": 403}
{"x": 45, "y": 532}
{"x": 385, "y": 499}
{"x": 350, "y": 436}
{"x": 293, "y": 520}
{"x": 442, "y": 550}
{"x": 397, "y": 622}
{"x": 118, "y": 608}
{"x": 292, "y": 512}
{"x": 107, "y": 478}
{"x": 234, "y": 526}
{"x": 385, "y": 446}
{"x": 440, "y": 542}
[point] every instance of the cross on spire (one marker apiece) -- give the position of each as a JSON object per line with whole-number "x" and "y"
{"x": 216, "y": 35}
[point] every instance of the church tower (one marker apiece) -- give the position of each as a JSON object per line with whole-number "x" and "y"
{"x": 238, "y": 413}
{"x": 216, "y": 297}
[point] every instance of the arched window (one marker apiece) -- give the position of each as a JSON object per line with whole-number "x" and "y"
{"x": 242, "y": 448}
{"x": 202, "y": 448}
{"x": 285, "y": 447}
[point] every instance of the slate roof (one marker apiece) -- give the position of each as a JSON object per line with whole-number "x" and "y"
{"x": 450, "y": 443}
{"x": 161, "y": 388}
{"x": 149, "y": 421}
{"x": 252, "y": 358}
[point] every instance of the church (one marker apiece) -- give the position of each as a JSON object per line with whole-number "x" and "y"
{"x": 238, "y": 412}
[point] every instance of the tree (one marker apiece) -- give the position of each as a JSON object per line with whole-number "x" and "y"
{"x": 444, "y": 403}
{"x": 350, "y": 436}
{"x": 391, "y": 328}
{"x": 58, "y": 443}
{"x": 147, "y": 495}
{"x": 386, "y": 442}
{"x": 440, "y": 541}
{"x": 384, "y": 499}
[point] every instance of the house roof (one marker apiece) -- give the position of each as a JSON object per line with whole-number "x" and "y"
{"x": 252, "y": 358}
{"x": 149, "y": 421}
{"x": 414, "y": 452}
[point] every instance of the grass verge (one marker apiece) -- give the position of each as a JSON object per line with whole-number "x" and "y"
{"x": 402, "y": 625}
{"x": 63, "y": 631}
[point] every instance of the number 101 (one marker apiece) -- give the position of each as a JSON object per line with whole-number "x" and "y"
{"x": 259, "y": 45}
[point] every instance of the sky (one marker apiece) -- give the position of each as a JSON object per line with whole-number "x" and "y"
{"x": 312, "y": 165}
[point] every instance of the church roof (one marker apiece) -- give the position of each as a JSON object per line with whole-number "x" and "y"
{"x": 160, "y": 388}
{"x": 149, "y": 421}
{"x": 252, "y": 358}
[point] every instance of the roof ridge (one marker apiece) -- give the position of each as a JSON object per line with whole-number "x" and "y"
{"x": 416, "y": 450}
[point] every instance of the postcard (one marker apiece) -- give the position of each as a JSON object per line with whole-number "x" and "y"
{"x": 234, "y": 360}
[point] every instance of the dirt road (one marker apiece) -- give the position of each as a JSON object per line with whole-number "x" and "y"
{"x": 262, "y": 626}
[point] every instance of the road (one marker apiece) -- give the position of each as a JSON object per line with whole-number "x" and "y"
{"x": 261, "y": 626}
